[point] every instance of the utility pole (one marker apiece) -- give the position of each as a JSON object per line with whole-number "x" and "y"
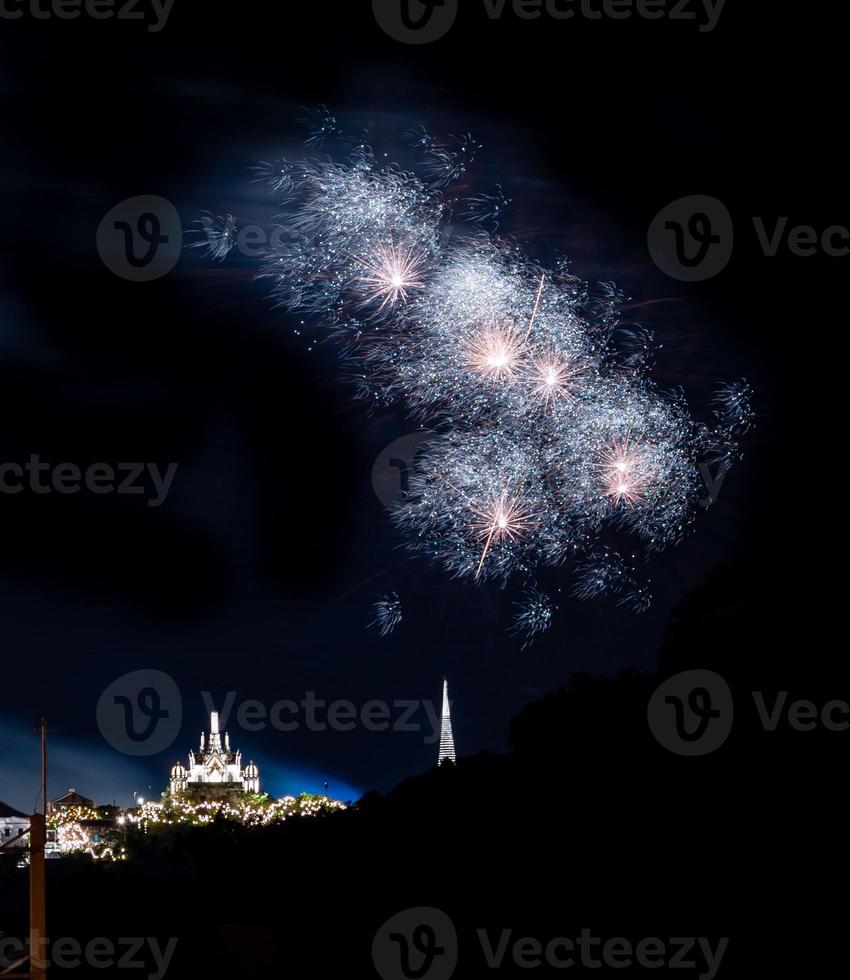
{"x": 44, "y": 803}
{"x": 38, "y": 906}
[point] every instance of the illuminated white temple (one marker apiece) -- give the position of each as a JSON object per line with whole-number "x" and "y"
{"x": 215, "y": 770}
{"x": 447, "y": 742}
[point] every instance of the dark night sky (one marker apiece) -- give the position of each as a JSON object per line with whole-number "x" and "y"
{"x": 258, "y": 573}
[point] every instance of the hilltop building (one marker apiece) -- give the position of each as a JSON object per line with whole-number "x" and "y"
{"x": 215, "y": 771}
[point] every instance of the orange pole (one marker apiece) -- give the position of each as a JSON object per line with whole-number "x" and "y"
{"x": 38, "y": 899}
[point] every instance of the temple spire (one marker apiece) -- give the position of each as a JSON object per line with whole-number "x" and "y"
{"x": 447, "y": 742}
{"x": 215, "y": 772}
{"x": 215, "y": 738}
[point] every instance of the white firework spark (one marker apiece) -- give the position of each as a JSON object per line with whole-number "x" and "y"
{"x": 625, "y": 474}
{"x": 495, "y": 351}
{"x": 552, "y": 377}
{"x": 392, "y": 274}
{"x": 503, "y": 519}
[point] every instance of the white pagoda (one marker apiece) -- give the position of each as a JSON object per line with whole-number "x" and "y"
{"x": 447, "y": 742}
{"x": 215, "y": 770}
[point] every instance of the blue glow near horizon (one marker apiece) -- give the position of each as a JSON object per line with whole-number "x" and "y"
{"x": 93, "y": 769}
{"x": 104, "y": 775}
{"x": 282, "y": 779}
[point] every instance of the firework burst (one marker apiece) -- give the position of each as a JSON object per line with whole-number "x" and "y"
{"x": 388, "y": 613}
{"x": 472, "y": 338}
{"x": 625, "y": 473}
{"x": 552, "y": 376}
{"x": 495, "y": 352}
{"x": 391, "y": 275}
{"x": 503, "y": 519}
{"x": 533, "y": 615}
